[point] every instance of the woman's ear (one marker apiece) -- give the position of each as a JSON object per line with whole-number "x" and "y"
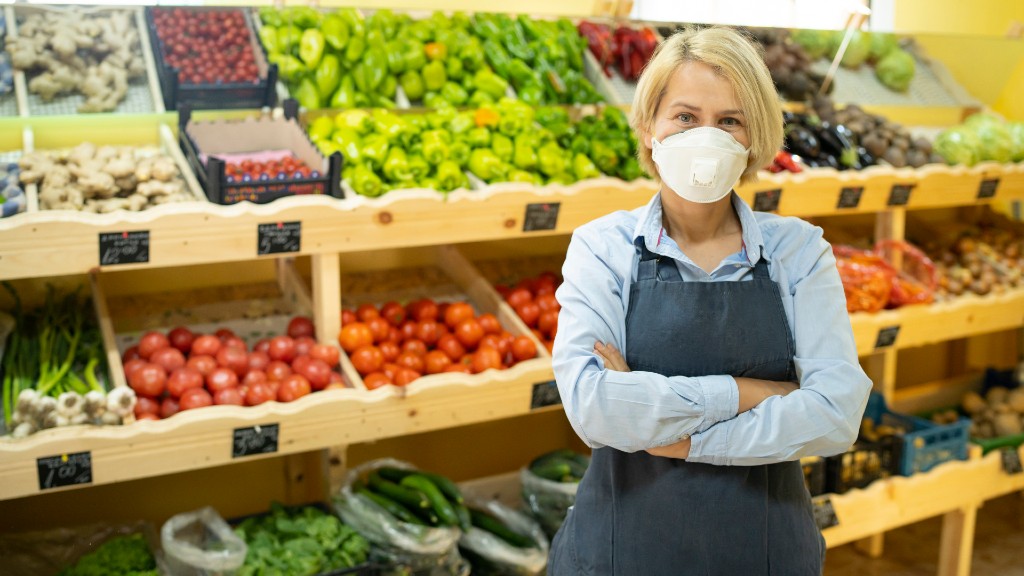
{"x": 647, "y": 140}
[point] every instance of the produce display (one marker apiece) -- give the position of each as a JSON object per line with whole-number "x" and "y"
{"x": 996, "y": 414}
{"x": 894, "y": 66}
{"x": 871, "y": 282}
{"x": 982, "y": 261}
{"x": 95, "y": 53}
{"x": 983, "y": 137}
{"x": 103, "y": 179}
{"x": 300, "y": 541}
{"x": 129, "y": 555}
{"x": 12, "y": 196}
{"x": 278, "y": 165}
{"x": 502, "y": 541}
{"x": 415, "y": 497}
{"x": 54, "y": 372}
{"x": 534, "y": 301}
{"x": 789, "y": 64}
{"x": 206, "y": 46}
{"x": 549, "y": 487}
{"x": 397, "y": 344}
{"x": 627, "y": 48}
{"x": 6, "y": 69}
{"x": 560, "y": 466}
{"x": 182, "y": 370}
{"x": 605, "y": 138}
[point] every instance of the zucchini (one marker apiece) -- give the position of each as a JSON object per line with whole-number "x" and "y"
{"x": 562, "y": 453}
{"x": 444, "y": 510}
{"x": 392, "y": 507}
{"x": 555, "y": 470}
{"x": 394, "y": 474}
{"x": 486, "y": 522}
{"x": 465, "y": 521}
{"x": 409, "y": 498}
{"x": 446, "y": 486}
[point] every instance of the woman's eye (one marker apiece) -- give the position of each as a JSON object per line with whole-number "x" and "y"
{"x": 730, "y": 121}
{"x": 685, "y": 117}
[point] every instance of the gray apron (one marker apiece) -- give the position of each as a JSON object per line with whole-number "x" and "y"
{"x": 642, "y": 515}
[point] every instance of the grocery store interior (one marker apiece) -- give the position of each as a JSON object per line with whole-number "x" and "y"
{"x": 279, "y": 278}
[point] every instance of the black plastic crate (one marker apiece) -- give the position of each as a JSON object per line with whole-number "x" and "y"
{"x": 213, "y": 96}
{"x": 861, "y": 465}
{"x": 212, "y": 176}
{"x": 814, "y": 474}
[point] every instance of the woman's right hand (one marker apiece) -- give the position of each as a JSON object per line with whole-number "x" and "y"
{"x": 753, "y": 391}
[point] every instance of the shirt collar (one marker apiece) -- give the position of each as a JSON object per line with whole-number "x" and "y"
{"x": 649, "y": 227}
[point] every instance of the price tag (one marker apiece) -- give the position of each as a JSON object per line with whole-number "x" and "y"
{"x": 1011, "y": 460}
{"x": 900, "y": 194}
{"x": 824, "y": 513}
{"x": 278, "y": 238}
{"x": 64, "y": 470}
{"x": 887, "y": 336}
{"x": 541, "y": 216}
{"x": 767, "y": 200}
{"x": 987, "y": 188}
{"x": 850, "y": 197}
{"x": 545, "y": 394}
{"x": 259, "y": 439}
{"x": 124, "y": 247}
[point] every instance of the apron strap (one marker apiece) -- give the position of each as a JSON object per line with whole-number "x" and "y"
{"x": 761, "y": 269}
{"x": 654, "y": 266}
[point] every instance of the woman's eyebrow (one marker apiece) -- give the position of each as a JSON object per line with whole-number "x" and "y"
{"x": 681, "y": 104}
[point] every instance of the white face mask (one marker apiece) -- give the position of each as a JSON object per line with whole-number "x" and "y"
{"x": 701, "y": 164}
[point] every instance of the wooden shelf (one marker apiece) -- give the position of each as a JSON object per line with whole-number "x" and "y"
{"x": 925, "y": 324}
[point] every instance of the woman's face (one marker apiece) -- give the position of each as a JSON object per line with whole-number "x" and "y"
{"x": 697, "y": 96}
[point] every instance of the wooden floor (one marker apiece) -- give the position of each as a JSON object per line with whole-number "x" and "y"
{"x": 913, "y": 550}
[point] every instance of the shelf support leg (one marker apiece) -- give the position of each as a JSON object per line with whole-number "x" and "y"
{"x": 957, "y": 543}
{"x": 326, "y": 297}
{"x": 872, "y": 546}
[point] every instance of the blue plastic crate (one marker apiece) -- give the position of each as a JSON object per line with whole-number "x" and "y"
{"x": 924, "y": 445}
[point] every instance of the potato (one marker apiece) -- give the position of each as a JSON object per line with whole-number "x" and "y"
{"x": 973, "y": 403}
{"x": 996, "y": 395}
{"x": 985, "y": 430}
{"x": 1015, "y": 400}
{"x": 1007, "y": 425}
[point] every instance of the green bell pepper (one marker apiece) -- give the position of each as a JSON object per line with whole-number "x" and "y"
{"x": 521, "y": 73}
{"x": 461, "y": 20}
{"x": 418, "y": 167}
{"x": 434, "y": 76}
{"x": 396, "y": 62}
{"x": 502, "y": 147}
{"x": 375, "y": 150}
{"x": 288, "y": 67}
{"x": 552, "y": 115}
{"x": 515, "y": 119}
{"x": 348, "y": 142}
{"x": 462, "y": 123}
{"x": 366, "y": 182}
{"x": 287, "y": 38}
{"x": 381, "y": 101}
{"x": 453, "y": 67}
{"x": 515, "y": 44}
{"x": 614, "y": 117}
{"x": 352, "y": 18}
{"x": 413, "y": 55}
{"x": 435, "y": 146}
{"x": 580, "y": 144}
{"x": 631, "y": 170}
{"x": 420, "y": 30}
{"x": 459, "y": 152}
{"x": 551, "y": 159}
{"x": 269, "y": 39}
{"x": 485, "y": 164}
{"x": 270, "y": 16}
{"x": 388, "y": 87}
{"x": 383, "y": 20}
{"x": 307, "y": 94}
{"x": 429, "y": 184}
{"x": 583, "y": 168}
{"x": 531, "y": 94}
{"x": 497, "y": 57}
{"x": 375, "y": 59}
{"x": 484, "y": 26}
{"x": 565, "y": 178}
{"x": 479, "y": 137}
{"x": 490, "y": 83}
{"x": 604, "y": 157}
{"x": 480, "y": 98}
{"x": 412, "y": 84}
{"x": 396, "y": 166}
{"x": 345, "y": 96}
{"x": 311, "y": 48}
{"x": 328, "y": 76}
{"x": 357, "y": 120}
{"x": 387, "y": 124}
{"x": 441, "y": 117}
{"x": 449, "y": 176}
{"x": 434, "y": 100}
{"x": 321, "y": 129}
{"x": 524, "y": 176}
{"x": 335, "y": 32}
{"x": 454, "y": 93}
{"x": 472, "y": 55}
{"x": 355, "y": 48}
{"x": 525, "y": 155}
{"x": 304, "y": 16}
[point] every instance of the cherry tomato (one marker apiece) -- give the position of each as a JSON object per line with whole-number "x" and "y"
{"x": 395, "y": 335}
{"x": 132, "y": 353}
{"x": 278, "y": 370}
{"x": 231, "y": 396}
{"x": 529, "y": 311}
{"x": 282, "y": 348}
{"x": 203, "y": 363}
{"x": 234, "y": 342}
{"x": 355, "y": 335}
{"x": 489, "y": 322}
{"x": 367, "y": 359}
{"x": 148, "y": 379}
{"x": 424, "y": 309}
{"x": 258, "y": 360}
{"x": 348, "y": 317}
{"x": 182, "y": 379}
{"x": 485, "y": 358}
{"x": 223, "y": 334}
{"x": 220, "y": 379}
{"x": 498, "y": 342}
{"x": 408, "y": 330}
{"x": 133, "y": 365}
{"x": 528, "y": 284}
{"x": 469, "y": 332}
{"x": 300, "y": 363}
{"x": 262, "y": 346}
{"x": 523, "y": 348}
{"x": 367, "y": 311}
{"x": 300, "y": 326}
{"x": 458, "y": 367}
{"x": 451, "y": 346}
{"x": 544, "y": 286}
{"x": 195, "y": 398}
{"x": 390, "y": 369}
{"x": 436, "y": 362}
{"x": 411, "y": 360}
{"x": 335, "y": 380}
{"x": 328, "y": 354}
{"x": 390, "y": 350}
{"x": 518, "y": 296}
{"x": 151, "y": 342}
{"x": 428, "y": 332}
{"x": 393, "y": 312}
{"x": 457, "y": 312}
{"x": 317, "y": 372}
{"x": 146, "y": 405}
{"x": 375, "y": 380}
{"x": 254, "y": 377}
{"x": 169, "y": 407}
{"x": 293, "y": 387}
{"x": 380, "y": 329}
{"x": 547, "y": 321}
{"x": 303, "y": 345}
{"x": 414, "y": 346}
{"x": 206, "y": 345}
{"x": 406, "y": 376}
{"x": 548, "y": 302}
{"x": 233, "y": 359}
{"x": 258, "y": 394}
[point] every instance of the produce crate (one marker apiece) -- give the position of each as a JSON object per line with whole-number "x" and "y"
{"x": 51, "y": 551}
{"x": 814, "y": 474}
{"x": 201, "y": 141}
{"x": 613, "y": 86}
{"x": 142, "y": 97}
{"x": 922, "y": 445}
{"x": 214, "y": 96}
{"x": 861, "y": 465}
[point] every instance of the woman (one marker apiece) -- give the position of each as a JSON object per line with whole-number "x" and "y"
{"x": 735, "y": 327}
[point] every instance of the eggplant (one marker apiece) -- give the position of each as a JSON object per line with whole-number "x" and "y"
{"x": 802, "y": 142}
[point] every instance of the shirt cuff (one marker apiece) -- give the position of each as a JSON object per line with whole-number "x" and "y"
{"x": 721, "y": 399}
{"x": 709, "y": 449}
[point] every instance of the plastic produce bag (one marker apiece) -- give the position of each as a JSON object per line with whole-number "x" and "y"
{"x": 867, "y": 279}
{"x": 201, "y": 543}
{"x": 425, "y": 550}
{"x": 490, "y": 555}
{"x": 48, "y": 552}
{"x": 547, "y": 501}
{"x": 915, "y": 280}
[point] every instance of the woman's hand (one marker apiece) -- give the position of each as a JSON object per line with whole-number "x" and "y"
{"x": 613, "y": 359}
{"x": 679, "y": 450}
{"x": 753, "y": 391}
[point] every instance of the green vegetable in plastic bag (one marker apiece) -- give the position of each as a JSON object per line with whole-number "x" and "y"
{"x": 957, "y": 145}
{"x": 119, "y": 555}
{"x": 882, "y": 44}
{"x": 857, "y": 51}
{"x": 896, "y": 69}
{"x": 994, "y": 139}
{"x": 1017, "y": 133}
{"x": 816, "y": 43}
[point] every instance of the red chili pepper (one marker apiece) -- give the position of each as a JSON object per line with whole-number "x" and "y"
{"x": 785, "y": 159}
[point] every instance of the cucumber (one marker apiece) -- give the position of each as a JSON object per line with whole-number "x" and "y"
{"x": 561, "y": 453}
{"x": 392, "y": 507}
{"x": 394, "y": 474}
{"x": 485, "y": 521}
{"x": 555, "y": 471}
{"x": 428, "y": 516}
{"x": 446, "y": 486}
{"x": 409, "y": 498}
{"x": 465, "y": 521}
{"x": 441, "y": 506}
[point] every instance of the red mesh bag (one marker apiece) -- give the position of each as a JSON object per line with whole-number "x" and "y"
{"x": 915, "y": 280}
{"x": 867, "y": 279}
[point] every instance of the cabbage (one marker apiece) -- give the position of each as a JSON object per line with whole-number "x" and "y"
{"x": 882, "y": 43}
{"x": 816, "y": 43}
{"x": 857, "y": 51}
{"x": 957, "y": 145}
{"x": 896, "y": 70}
{"x": 994, "y": 139}
{"x": 1017, "y": 133}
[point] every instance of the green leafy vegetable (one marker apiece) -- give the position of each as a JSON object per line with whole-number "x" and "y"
{"x": 896, "y": 69}
{"x": 119, "y": 556}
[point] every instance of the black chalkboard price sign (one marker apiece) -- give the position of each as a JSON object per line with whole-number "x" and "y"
{"x": 768, "y": 200}
{"x": 64, "y": 470}
{"x": 545, "y": 394}
{"x": 259, "y": 439}
{"x": 887, "y": 336}
{"x": 541, "y": 217}
{"x": 124, "y": 247}
{"x": 849, "y": 197}
{"x": 899, "y": 195}
{"x": 824, "y": 512}
{"x": 988, "y": 188}
{"x": 278, "y": 238}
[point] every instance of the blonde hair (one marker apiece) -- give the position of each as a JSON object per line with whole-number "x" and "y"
{"x": 737, "y": 59}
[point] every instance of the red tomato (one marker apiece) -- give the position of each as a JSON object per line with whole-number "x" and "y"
{"x": 223, "y": 334}
{"x": 328, "y": 354}
{"x": 367, "y": 359}
{"x": 428, "y": 332}
{"x": 529, "y": 284}
{"x": 131, "y": 366}
{"x": 148, "y": 379}
{"x": 282, "y": 348}
{"x": 278, "y": 370}
{"x": 393, "y": 312}
{"x": 496, "y": 341}
{"x": 169, "y": 407}
{"x": 545, "y": 285}
{"x": 355, "y": 335}
{"x": 554, "y": 331}
{"x": 548, "y": 302}
{"x": 489, "y": 322}
{"x": 293, "y": 387}
{"x": 203, "y": 363}
{"x": 220, "y": 379}
{"x": 469, "y": 332}
{"x": 390, "y": 369}
{"x": 529, "y": 312}
{"x": 303, "y": 345}
{"x": 523, "y": 348}
{"x": 367, "y": 311}
{"x": 436, "y": 362}
{"x": 182, "y": 379}
{"x": 258, "y": 394}
{"x": 151, "y": 342}
{"x": 233, "y": 359}
{"x": 147, "y": 416}
{"x": 485, "y": 358}
{"x": 318, "y": 373}
{"x": 380, "y": 329}
{"x": 411, "y": 360}
{"x": 232, "y": 396}
{"x": 206, "y": 345}
{"x": 518, "y": 296}
{"x": 451, "y": 346}
{"x": 457, "y": 312}
{"x": 254, "y": 377}
{"x": 503, "y": 291}
{"x": 195, "y": 398}
{"x": 146, "y": 405}
{"x": 406, "y": 376}
{"x": 258, "y": 360}
{"x": 395, "y": 335}
{"x": 262, "y": 346}
{"x": 375, "y": 380}
{"x": 300, "y": 363}
{"x": 347, "y": 317}
{"x": 390, "y": 350}
{"x": 548, "y": 321}
{"x": 458, "y": 367}
{"x": 300, "y": 326}
{"x": 550, "y": 345}
{"x": 234, "y": 342}
{"x": 414, "y": 346}
{"x": 131, "y": 353}
{"x": 336, "y": 379}
{"x": 424, "y": 309}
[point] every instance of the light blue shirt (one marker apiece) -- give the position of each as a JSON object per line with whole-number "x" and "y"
{"x": 633, "y": 411}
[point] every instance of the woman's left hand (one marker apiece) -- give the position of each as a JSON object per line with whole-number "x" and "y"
{"x": 680, "y": 450}
{"x": 613, "y": 359}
